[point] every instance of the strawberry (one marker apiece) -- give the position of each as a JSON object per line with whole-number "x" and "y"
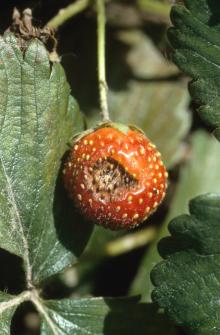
{"x": 115, "y": 176}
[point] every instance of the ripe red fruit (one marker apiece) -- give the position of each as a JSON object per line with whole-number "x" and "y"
{"x": 115, "y": 176}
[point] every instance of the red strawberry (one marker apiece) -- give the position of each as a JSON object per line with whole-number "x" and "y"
{"x": 115, "y": 176}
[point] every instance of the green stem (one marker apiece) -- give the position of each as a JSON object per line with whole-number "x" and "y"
{"x": 68, "y": 12}
{"x": 155, "y": 7}
{"x": 130, "y": 242}
{"x": 101, "y": 22}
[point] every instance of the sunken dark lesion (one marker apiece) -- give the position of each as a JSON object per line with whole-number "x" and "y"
{"x": 109, "y": 181}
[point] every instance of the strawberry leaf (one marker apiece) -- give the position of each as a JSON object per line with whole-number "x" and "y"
{"x": 7, "y": 308}
{"x": 98, "y": 316}
{"x": 188, "y": 280}
{"x": 37, "y": 120}
{"x": 195, "y": 39}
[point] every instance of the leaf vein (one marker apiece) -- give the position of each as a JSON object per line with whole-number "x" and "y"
{"x": 24, "y": 240}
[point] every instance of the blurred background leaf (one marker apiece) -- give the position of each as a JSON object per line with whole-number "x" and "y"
{"x": 147, "y": 94}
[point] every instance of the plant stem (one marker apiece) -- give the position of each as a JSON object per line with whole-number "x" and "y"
{"x": 68, "y": 12}
{"x": 25, "y": 296}
{"x": 101, "y": 22}
{"x": 155, "y": 7}
{"x": 130, "y": 242}
{"x": 41, "y": 309}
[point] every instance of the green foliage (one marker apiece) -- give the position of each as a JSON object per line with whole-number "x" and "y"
{"x": 6, "y": 313}
{"x": 187, "y": 281}
{"x": 37, "y": 117}
{"x": 34, "y": 101}
{"x": 100, "y": 316}
{"x": 195, "y": 38}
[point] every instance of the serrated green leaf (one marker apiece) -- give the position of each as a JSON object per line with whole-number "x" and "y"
{"x": 7, "y": 309}
{"x": 195, "y": 38}
{"x": 37, "y": 119}
{"x": 199, "y": 175}
{"x": 102, "y": 316}
{"x": 188, "y": 280}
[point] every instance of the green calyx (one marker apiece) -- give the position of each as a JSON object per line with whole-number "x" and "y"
{"x": 109, "y": 124}
{"x": 121, "y": 127}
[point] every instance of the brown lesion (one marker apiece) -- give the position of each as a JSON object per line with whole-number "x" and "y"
{"x": 108, "y": 180}
{"x": 23, "y": 28}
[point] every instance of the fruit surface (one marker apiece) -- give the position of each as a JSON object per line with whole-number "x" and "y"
{"x": 115, "y": 178}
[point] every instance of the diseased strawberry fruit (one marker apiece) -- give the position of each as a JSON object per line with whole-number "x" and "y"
{"x": 115, "y": 176}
